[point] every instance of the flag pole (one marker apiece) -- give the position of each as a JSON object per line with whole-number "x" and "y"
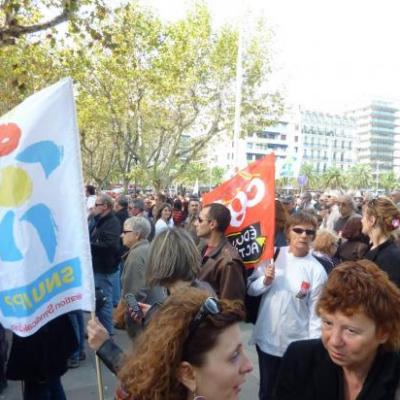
{"x": 98, "y": 370}
{"x": 238, "y": 94}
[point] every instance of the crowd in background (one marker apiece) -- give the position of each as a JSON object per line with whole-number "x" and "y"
{"x": 163, "y": 249}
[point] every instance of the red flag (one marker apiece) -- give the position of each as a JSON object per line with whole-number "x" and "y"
{"x": 250, "y": 197}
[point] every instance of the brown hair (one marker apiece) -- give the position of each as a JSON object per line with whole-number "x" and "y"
{"x": 219, "y": 213}
{"x": 352, "y": 228}
{"x": 323, "y": 241}
{"x": 150, "y": 373}
{"x": 355, "y": 286}
{"x": 161, "y": 208}
{"x": 281, "y": 216}
{"x": 173, "y": 256}
{"x": 301, "y": 218}
{"x": 386, "y": 213}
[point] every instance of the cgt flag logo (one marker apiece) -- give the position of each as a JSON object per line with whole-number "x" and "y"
{"x": 250, "y": 197}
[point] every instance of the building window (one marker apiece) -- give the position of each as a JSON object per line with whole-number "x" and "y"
{"x": 296, "y": 139}
{"x": 283, "y": 137}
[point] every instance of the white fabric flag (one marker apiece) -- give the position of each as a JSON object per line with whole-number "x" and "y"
{"x": 45, "y": 261}
{"x": 196, "y": 188}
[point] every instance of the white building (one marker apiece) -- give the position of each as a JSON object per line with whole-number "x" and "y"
{"x": 327, "y": 140}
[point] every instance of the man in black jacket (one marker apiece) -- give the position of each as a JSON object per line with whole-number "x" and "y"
{"x": 105, "y": 231}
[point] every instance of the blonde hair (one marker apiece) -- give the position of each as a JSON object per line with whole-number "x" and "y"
{"x": 386, "y": 213}
{"x": 323, "y": 241}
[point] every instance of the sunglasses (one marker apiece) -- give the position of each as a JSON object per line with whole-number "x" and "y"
{"x": 210, "y": 306}
{"x": 125, "y": 232}
{"x": 99, "y": 204}
{"x": 300, "y": 231}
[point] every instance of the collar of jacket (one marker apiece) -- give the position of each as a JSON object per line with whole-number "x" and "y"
{"x": 374, "y": 252}
{"x": 141, "y": 242}
{"x": 216, "y": 251}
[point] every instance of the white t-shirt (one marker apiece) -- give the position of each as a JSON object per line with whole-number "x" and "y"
{"x": 161, "y": 225}
{"x": 90, "y": 202}
{"x": 287, "y": 308}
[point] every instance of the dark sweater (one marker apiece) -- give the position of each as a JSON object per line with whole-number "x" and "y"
{"x": 387, "y": 257}
{"x": 308, "y": 373}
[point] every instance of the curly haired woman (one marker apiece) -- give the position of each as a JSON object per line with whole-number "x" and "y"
{"x": 357, "y": 354}
{"x": 191, "y": 349}
{"x": 380, "y": 218}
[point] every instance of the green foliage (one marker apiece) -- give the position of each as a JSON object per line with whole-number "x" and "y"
{"x": 162, "y": 91}
{"x": 312, "y": 176}
{"x": 388, "y": 181}
{"x": 19, "y": 18}
{"x": 333, "y": 178}
{"x": 150, "y": 94}
{"x": 359, "y": 176}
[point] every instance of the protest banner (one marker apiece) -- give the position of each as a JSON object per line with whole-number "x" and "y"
{"x": 45, "y": 261}
{"x": 250, "y": 197}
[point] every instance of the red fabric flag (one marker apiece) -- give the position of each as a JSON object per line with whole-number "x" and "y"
{"x": 250, "y": 197}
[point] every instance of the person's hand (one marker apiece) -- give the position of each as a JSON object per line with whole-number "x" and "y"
{"x": 269, "y": 274}
{"x": 137, "y": 317}
{"x": 97, "y": 334}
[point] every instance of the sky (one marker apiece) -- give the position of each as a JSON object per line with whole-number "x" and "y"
{"x": 329, "y": 54}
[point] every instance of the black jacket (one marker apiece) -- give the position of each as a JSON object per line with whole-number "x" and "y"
{"x": 387, "y": 257}
{"x": 122, "y": 216}
{"x": 105, "y": 243}
{"x": 308, "y": 373}
{"x": 44, "y": 354}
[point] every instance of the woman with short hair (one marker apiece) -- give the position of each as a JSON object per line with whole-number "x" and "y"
{"x": 357, "y": 355}
{"x": 325, "y": 246}
{"x": 173, "y": 263}
{"x": 192, "y": 349}
{"x": 380, "y": 219}
{"x": 289, "y": 291}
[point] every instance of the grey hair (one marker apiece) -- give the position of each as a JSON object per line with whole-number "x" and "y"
{"x": 173, "y": 257}
{"x": 138, "y": 203}
{"x": 122, "y": 201}
{"x": 140, "y": 225}
{"x": 106, "y": 199}
{"x": 349, "y": 199}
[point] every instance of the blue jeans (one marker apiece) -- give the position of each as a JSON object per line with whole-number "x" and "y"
{"x": 76, "y": 318}
{"x": 117, "y": 285}
{"x": 51, "y": 389}
{"x": 105, "y": 282}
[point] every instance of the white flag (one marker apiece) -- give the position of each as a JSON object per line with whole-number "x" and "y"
{"x": 45, "y": 261}
{"x": 196, "y": 188}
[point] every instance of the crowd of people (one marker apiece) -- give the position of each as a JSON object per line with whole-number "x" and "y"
{"x": 327, "y": 319}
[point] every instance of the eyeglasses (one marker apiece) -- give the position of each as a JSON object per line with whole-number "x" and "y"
{"x": 125, "y": 232}
{"x": 99, "y": 204}
{"x": 300, "y": 231}
{"x": 210, "y": 306}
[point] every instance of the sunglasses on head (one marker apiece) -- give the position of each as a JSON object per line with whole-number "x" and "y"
{"x": 300, "y": 231}
{"x": 210, "y": 306}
